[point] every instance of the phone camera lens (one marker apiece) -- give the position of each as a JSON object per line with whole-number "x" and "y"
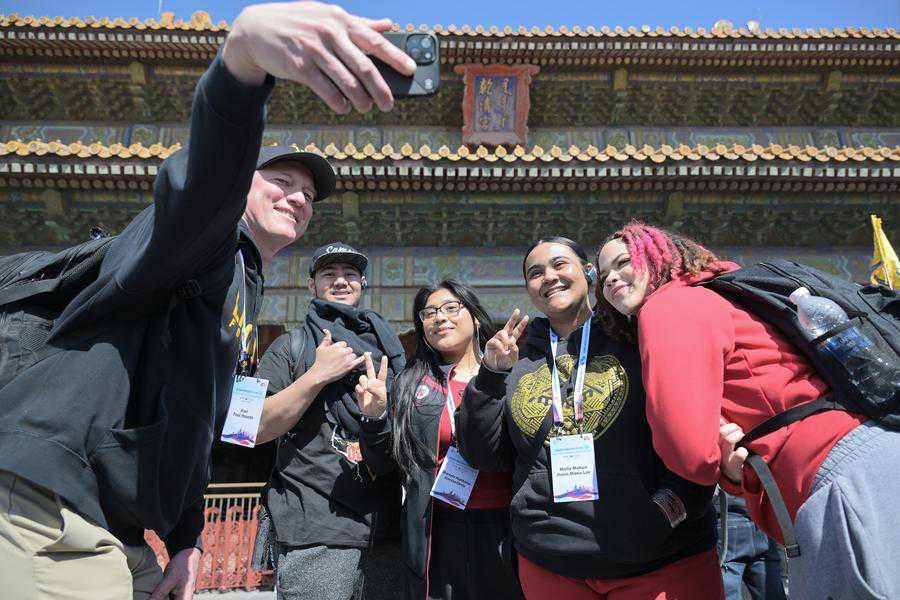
{"x": 421, "y": 48}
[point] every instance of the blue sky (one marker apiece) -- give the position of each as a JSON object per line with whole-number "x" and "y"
{"x": 694, "y": 13}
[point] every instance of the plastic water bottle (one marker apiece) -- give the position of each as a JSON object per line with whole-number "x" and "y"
{"x": 817, "y": 315}
{"x": 870, "y": 369}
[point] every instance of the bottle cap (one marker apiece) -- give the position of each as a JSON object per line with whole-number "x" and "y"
{"x": 798, "y": 295}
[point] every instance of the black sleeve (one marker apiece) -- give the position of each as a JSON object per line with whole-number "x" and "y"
{"x": 187, "y": 532}
{"x": 480, "y": 424}
{"x": 695, "y": 499}
{"x": 277, "y": 365}
{"x": 200, "y": 192}
{"x": 376, "y": 439}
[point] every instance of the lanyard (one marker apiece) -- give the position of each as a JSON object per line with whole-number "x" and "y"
{"x": 451, "y": 408}
{"x": 579, "y": 378}
{"x": 244, "y": 362}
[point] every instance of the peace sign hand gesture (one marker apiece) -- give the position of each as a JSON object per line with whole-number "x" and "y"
{"x": 371, "y": 389}
{"x": 501, "y": 352}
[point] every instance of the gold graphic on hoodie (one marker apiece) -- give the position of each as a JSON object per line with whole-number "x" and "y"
{"x": 605, "y": 391}
{"x": 240, "y": 326}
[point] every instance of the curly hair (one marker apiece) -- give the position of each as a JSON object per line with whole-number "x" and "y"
{"x": 661, "y": 254}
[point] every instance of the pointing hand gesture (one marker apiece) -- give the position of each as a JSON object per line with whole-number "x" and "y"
{"x": 502, "y": 351}
{"x": 371, "y": 390}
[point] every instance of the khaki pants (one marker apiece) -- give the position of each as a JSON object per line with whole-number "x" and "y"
{"x": 49, "y": 552}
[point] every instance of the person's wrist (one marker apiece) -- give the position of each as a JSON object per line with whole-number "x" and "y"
{"x": 318, "y": 378}
{"x": 374, "y": 414}
{"x": 238, "y": 61}
{"x": 494, "y": 368}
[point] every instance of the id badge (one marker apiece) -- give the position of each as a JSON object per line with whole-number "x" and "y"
{"x": 248, "y": 394}
{"x": 573, "y": 469}
{"x": 455, "y": 480}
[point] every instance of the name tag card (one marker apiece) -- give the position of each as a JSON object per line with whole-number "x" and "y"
{"x": 247, "y": 398}
{"x": 455, "y": 480}
{"x": 573, "y": 469}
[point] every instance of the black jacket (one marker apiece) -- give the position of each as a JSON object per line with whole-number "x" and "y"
{"x": 120, "y": 421}
{"x": 315, "y": 496}
{"x": 416, "y": 515}
{"x": 426, "y": 410}
{"x": 622, "y": 534}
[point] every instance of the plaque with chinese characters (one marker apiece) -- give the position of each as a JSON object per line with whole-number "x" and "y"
{"x": 495, "y": 104}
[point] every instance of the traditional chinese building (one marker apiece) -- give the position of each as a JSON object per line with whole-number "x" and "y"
{"x": 759, "y": 143}
{"x": 756, "y": 142}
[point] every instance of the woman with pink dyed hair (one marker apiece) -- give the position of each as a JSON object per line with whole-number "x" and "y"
{"x": 711, "y": 370}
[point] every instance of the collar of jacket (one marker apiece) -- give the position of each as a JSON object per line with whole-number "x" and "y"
{"x": 252, "y": 257}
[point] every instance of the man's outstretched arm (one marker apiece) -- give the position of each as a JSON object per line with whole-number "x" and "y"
{"x": 201, "y": 192}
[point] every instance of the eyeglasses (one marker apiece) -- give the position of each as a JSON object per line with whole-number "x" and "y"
{"x": 450, "y": 308}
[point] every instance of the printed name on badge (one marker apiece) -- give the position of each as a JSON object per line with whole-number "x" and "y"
{"x": 248, "y": 394}
{"x": 455, "y": 480}
{"x": 573, "y": 469}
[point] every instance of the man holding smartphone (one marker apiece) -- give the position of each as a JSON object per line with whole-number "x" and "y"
{"x": 111, "y": 432}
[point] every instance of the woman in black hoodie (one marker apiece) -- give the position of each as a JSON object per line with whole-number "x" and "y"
{"x": 614, "y": 523}
{"x": 450, "y": 546}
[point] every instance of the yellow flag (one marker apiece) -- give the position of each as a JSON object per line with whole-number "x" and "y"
{"x": 885, "y": 269}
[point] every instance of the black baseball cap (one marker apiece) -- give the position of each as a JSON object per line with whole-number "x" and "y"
{"x": 338, "y": 252}
{"x": 322, "y": 172}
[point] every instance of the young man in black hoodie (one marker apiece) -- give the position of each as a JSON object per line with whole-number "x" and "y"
{"x": 327, "y": 506}
{"x": 111, "y": 433}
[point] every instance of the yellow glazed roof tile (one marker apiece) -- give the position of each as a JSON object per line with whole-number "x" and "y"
{"x": 661, "y": 154}
{"x": 201, "y": 21}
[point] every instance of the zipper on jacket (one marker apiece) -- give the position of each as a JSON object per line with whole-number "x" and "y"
{"x": 437, "y": 451}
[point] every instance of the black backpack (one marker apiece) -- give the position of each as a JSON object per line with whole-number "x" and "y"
{"x": 763, "y": 289}
{"x": 35, "y": 288}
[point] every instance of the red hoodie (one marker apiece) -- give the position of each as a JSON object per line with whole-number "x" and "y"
{"x": 703, "y": 356}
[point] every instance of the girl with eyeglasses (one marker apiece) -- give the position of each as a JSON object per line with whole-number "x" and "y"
{"x": 449, "y": 543}
{"x": 594, "y": 513}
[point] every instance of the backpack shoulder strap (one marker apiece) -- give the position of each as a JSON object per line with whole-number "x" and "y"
{"x": 791, "y": 415}
{"x": 297, "y": 338}
{"x": 723, "y": 526}
{"x": 770, "y": 425}
{"x": 791, "y": 547}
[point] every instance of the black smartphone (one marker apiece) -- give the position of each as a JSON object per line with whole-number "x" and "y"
{"x": 423, "y": 48}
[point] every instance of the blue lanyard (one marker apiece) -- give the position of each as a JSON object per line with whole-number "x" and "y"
{"x": 577, "y": 398}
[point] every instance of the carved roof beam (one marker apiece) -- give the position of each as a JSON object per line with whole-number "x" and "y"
{"x": 198, "y": 40}
{"x": 739, "y": 176}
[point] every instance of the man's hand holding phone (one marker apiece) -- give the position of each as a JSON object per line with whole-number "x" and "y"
{"x": 423, "y": 48}
{"x": 320, "y": 46}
